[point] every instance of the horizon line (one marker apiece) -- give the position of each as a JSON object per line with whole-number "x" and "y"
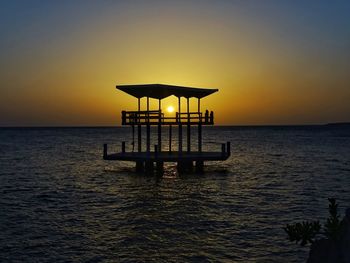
{"x": 218, "y": 125}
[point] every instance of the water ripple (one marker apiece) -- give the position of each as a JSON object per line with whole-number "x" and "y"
{"x": 61, "y": 203}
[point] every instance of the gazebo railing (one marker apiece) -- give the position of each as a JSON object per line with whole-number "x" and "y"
{"x": 156, "y": 117}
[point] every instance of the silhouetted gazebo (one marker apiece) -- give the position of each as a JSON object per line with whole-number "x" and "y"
{"x": 145, "y": 159}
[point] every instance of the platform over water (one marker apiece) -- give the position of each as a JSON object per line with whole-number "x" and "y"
{"x": 143, "y": 156}
{"x": 168, "y": 156}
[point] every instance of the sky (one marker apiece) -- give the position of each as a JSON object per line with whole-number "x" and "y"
{"x": 274, "y": 62}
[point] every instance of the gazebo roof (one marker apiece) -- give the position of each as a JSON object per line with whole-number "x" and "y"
{"x": 161, "y": 91}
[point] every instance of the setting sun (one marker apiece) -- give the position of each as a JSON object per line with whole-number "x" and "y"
{"x": 170, "y": 109}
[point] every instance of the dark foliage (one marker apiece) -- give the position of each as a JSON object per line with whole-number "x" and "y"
{"x": 332, "y": 226}
{"x": 303, "y": 232}
{"x": 306, "y": 231}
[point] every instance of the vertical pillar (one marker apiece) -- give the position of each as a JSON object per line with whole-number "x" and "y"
{"x": 139, "y": 148}
{"x": 170, "y": 134}
{"x": 180, "y": 127}
{"x": 199, "y": 166}
{"x": 200, "y": 137}
{"x": 160, "y": 168}
{"x": 188, "y": 126}
{"x": 199, "y": 126}
{"x": 160, "y": 128}
{"x": 149, "y": 167}
{"x": 105, "y": 151}
{"x": 148, "y": 138}
{"x": 228, "y": 148}
{"x": 199, "y": 105}
{"x": 123, "y": 147}
{"x": 223, "y": 148}
{"x": 123, "y": 117}
{"x": 139, "y": 164}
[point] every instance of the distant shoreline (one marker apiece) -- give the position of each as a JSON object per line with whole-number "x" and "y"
{"x": 341, "y": 124}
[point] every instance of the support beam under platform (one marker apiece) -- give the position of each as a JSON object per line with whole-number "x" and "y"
{"x": 174, "y": 156}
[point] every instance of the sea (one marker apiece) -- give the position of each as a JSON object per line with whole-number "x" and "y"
{"x": 61, "y": 202}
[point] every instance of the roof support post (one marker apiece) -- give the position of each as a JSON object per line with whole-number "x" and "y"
{"x": 159, "y": 126}
{"x": 199, "y": 126}
{"x": 148, "y": 139}
{"x": 139, "y": 147}
{"x": 180, "y": 127}
{"x": 199, "y": 105}
{"x": 188, "y": 126}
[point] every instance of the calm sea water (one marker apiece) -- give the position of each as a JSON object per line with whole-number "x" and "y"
{"x": 60, "y": 202}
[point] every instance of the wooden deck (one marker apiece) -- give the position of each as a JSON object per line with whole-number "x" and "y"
{"x": 168, "y": 156}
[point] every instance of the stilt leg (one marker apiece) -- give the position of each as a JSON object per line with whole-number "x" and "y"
{"x": 139, "y": 167}
{"x": 199, "y": 166}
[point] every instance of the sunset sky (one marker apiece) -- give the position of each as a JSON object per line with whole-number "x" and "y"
{"x": 274, "y": 62}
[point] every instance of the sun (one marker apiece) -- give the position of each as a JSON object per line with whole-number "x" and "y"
{"x": 170, "y": 109}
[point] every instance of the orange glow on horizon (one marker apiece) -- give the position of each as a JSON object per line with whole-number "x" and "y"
{"x": 264, "y": 75}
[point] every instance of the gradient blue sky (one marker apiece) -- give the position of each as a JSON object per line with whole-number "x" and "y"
{"x": 275, "y": 62}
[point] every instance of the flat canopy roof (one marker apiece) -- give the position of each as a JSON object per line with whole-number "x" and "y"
{"x": 161, "y": 91}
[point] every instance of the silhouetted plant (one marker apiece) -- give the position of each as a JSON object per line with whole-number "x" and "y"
{"x": 332, "y": 226}
{"x": 306, "y": 231}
